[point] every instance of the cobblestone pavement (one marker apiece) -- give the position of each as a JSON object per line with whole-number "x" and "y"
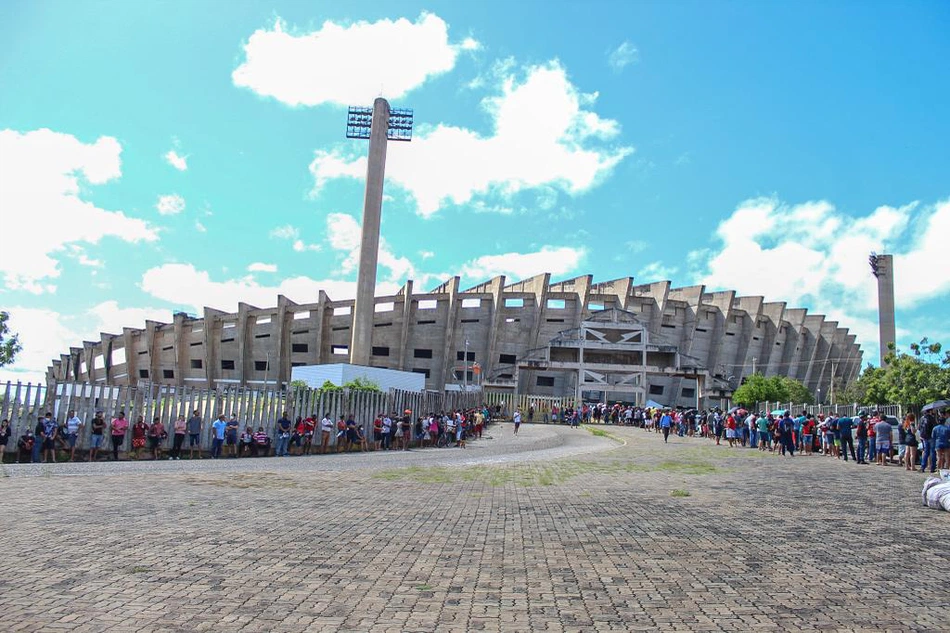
{"x": 593, "y": 536}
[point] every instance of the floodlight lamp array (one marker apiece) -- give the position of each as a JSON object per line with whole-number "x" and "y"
{"x": 359, "y": 123}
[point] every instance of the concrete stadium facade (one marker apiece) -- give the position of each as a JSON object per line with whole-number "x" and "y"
{"x": 613, "y": 339}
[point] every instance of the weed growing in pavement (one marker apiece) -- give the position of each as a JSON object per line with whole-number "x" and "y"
{"x": 679, "y": 492}
{"x": 139, "y": 570}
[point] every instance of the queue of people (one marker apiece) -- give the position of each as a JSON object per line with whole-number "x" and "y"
{"x": 868, "y": 437}
{"x": 304, "y": 436}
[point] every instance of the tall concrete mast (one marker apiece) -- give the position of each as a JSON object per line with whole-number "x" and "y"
{"x": 882, "y": 266}
{"x": 380, "y": 125}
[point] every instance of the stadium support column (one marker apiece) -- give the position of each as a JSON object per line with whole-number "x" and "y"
{"x": 362, "y": 340}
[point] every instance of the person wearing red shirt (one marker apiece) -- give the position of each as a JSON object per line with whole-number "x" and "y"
{"x": 309, "y": 424}
{"x": 139, "y": 430}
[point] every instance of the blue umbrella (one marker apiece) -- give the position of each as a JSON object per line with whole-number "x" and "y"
{"x": 934, "y": 406}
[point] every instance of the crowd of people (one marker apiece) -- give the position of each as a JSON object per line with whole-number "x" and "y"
{"x": 303, "y": 436}
{"x": 868, "y": 437}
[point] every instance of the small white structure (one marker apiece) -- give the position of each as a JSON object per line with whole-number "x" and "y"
{"x": 342, "y": 373}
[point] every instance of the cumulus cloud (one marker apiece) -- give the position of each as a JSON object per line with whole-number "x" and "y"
{"x": 42, "y": 174}
{"x": 261, "y": 267}
{"x": 183, "y": 284}
{"x": 622, "y": 56}
{"x": 557, "y": 260}
{"x": 814, "y": 255}
{"x": 292, "y": 233}
{"x": 344, "y": 233}
{"x": 544, "y": 137}
{"x": 347, "y": 64}
{"x": 45, "y": 334}
{"x": 177, "y": 161}
{"x": 171, "y": 204}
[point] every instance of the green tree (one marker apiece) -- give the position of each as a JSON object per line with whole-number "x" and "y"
{"x": 299, "y": 384}
{"x": 9, "y": 342}
{"x": 912, "y": 379}
{"x": 758, "y": 388}
{"x": 362, "y": 384}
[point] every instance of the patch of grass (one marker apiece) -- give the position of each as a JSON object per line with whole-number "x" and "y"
{"x": 139, "y": 570}
{"x": 679, "y": 492}
{"x": 423, "y": 588}
{"x": 686, "y": 467}
{"x": 602, "y": 433}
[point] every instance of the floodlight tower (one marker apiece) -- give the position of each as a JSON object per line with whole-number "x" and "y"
{"x": 882, "y": 267}
{"x": 379, "y": 124}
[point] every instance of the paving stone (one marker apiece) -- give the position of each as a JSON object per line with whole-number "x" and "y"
{"x": 555, "y": 530}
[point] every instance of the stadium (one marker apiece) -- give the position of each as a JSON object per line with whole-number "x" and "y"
{"x": 612, "y": 340}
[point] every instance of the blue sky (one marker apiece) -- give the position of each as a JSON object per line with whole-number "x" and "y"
{"x": 158, "y": 156}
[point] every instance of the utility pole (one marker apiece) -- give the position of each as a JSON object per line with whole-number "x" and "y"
{"x": 465, "y": 367}
{"x": 753, "y": 365}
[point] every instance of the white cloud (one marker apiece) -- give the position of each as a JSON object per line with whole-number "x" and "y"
{"x": 177, "y": 161}
{"x": 426, "y": 254}
{"x": 622, "y": 56}
{"x": 171, "y": 204}
{"x": 555, "y": 260}
{"x": 42, "y": 174}
{"x": 655, "y": 271}
{"x": 110, "y": 318}
{"x": 289, "y": 232}
{"x": 286, "y": 232}
{"x": 347, "y": 64}
{"x": 542, "y": 138}
{"x": 344, "y": 234}
{"x": 813, "y": 255}
{"x": 260, "y": 267}
{"x": 201, "y": 228}
{"x": 45, "y": 334}
{"x": 183, "y": 284}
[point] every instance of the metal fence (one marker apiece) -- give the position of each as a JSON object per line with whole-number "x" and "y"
{"x": 24, "y": 404}
{"x": 837, "y": 410}
{"x": 543, "y": 405}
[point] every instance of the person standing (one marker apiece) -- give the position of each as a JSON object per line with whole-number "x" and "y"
{"x": 666, "y": 422}
{"x": 5, "y": 432}
{"x": 326, "y": 428}
{"x": 910, "y": 442}
{"x": 231, "y": 435}
{"x": 218, "y": 428}
{"x": 284, "y": 427}
{"x": 73, "y": 428}
{"x": 787, "y": 428}
{"x": 139, "y": 431}
{"x": 119, "y": 427}
{"x": 387, "y": 431}
{"x": 862, "y": 434}
{"x": 847, "y": 441}
{"x": 928, "y": 452}
{"x": 884, "y": 433}
{"x": 39, "y": 439}
{"x": 98, "y": 429}
{"x": 940, "y": 437}
{"x": 156, "y": 433}
{"x": 517, "y": 420}
{"x": 194, "y": 434}
{"x": 180, "y": 428}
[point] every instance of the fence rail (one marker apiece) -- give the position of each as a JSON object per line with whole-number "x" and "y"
{"x": 24, "y": 404}
{"x": 543, "y": 405}
{"x": 849, "y": 410}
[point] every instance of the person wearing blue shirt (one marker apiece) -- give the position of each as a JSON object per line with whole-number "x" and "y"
{"x": 665, "y": 423}
{"x": 847, "y": 441}
{"x": 217, "y": 436}
{"x": 940, "y": 438}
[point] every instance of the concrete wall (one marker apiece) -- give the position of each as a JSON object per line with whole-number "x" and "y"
{"x": 426, "y": 333}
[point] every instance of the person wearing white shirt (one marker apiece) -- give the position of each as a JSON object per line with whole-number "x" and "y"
{"x": 326, "y": 428}
{"x": 73, "y": 427}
